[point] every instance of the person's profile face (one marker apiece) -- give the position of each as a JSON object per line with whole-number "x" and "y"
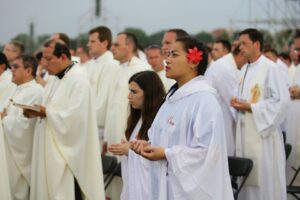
{"x": 136, "y": 96}
{"x": 51, "y": 62}
{"x": 168, "y": 39}
{"x": 119, "y": 47}
{"x": 177, "y": 62}
{"x": 246, "y": 46}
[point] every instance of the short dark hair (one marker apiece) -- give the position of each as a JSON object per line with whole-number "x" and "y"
{"x": 297, "y": 34}
{"x": 271, "y": 50}
{"x": 152, "y": 47}
{"x": 104, "y": 34}
{"x": 225, "y": 43}
{"x": 3, "y": 60}
{"x": 131, "y": 38}
{"x": 19, "y": 45}
{"x": 154, "y": 93}
{"x": 39, "y": 55}
{"x": 179, "y": 32}
{"x": 29, "y": 62}
{"x": 190, "y": 43}
{"x": 285, "y": 56}
{"x": 59, "y": 48}
{"x": 236, "y": 50}
{"x": 65, "y": 38}
{"x": 254, "y": 35}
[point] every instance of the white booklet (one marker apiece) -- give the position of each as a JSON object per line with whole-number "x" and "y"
{"x": 28, "y": 107}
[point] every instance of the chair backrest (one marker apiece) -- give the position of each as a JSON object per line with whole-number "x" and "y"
{"x": 288, "y": 149}
{"x": 108, "y": 163}
{"x": 239, "y": 167}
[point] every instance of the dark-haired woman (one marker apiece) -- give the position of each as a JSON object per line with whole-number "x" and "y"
{"x": 146, "y": 92}
{"x": 187, "y": 140}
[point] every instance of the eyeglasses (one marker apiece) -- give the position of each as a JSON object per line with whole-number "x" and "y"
{"x": 297, "y": 50}
{"x": 14, "y": 66}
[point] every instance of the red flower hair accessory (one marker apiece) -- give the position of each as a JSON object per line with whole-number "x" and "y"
{"x": 194, "y": 56}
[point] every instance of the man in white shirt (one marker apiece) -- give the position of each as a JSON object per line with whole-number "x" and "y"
{"x": 261, "y": 105}
{"x": 101, "y": 72}
{"x": 220, "y": 48}
{"x": 169, "y": 38}
{"x": 225, "y": 75}
{"x": 156, "y": 60}
{"x": 19, "y": 130}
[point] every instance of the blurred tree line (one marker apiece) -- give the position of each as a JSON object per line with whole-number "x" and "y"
{"x": 280, "y": 40}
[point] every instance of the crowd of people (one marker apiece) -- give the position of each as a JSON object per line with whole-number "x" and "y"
{"x": 171, "y": 114}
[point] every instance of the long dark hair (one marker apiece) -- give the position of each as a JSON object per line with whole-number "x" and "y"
{"x": 154, "y": 93}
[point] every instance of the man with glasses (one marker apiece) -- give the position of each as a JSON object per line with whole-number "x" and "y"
{"x": 66, "y": 158}
{"x": 155, "y": 58}
{"x": 124, "y": 49}
{"x": 18, "y": 129}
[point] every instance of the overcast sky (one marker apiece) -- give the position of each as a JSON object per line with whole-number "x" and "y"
{"x": 76, "y": 16}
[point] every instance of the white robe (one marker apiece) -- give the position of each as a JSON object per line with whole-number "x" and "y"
{"x": 224, "y": 76}
{"x": 118, "y": 105}
{"x": 7, "y": 88}
{"x": 267, "y": 178}
{"x": 5, "y": 192}
{"x": 19, "y": 132}
{"x": 66, "y": 144}
{"x": 101, "y": 73}
{"x": 168, "y": 83}
{"x": 284, "y": 71}
{"x": 190, "y": 126}
{"x": 293, "y": 131}
{"x": 135, "y": 173}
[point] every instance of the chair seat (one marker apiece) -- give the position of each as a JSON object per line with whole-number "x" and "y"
{"x": 293, "y": 189}
{"x": 108, "y": 164}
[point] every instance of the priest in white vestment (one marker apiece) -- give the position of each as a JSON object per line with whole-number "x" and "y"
{"x": 118, "y": 105}
{"x": 293, "y": 125}
{"x": 224, "y": 75}
{"x": 101, "y": 72}
{"x": 18, "y": 129}
{"x": 7, "y": 87}
{"x": 66, "y": 162}
{"x": 261, "y": 105}
{"x": 4, "y": 181}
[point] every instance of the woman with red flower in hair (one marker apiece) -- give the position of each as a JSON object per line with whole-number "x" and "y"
{"x": 187, "y": 140}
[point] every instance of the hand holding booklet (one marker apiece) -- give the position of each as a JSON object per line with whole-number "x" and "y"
{"x": 24, "y": 106}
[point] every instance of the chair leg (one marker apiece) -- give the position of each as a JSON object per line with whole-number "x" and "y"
{"x": 294, "y": 195}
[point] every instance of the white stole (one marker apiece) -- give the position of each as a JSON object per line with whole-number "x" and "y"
{"x": 252, "y": 139}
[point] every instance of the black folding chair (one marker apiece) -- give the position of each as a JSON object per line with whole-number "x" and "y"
{"x": 288, "y": 149}
{"x": 291, "y": 189}
{"x": 239, "y": 168}
{"x": 111, "y": 168}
